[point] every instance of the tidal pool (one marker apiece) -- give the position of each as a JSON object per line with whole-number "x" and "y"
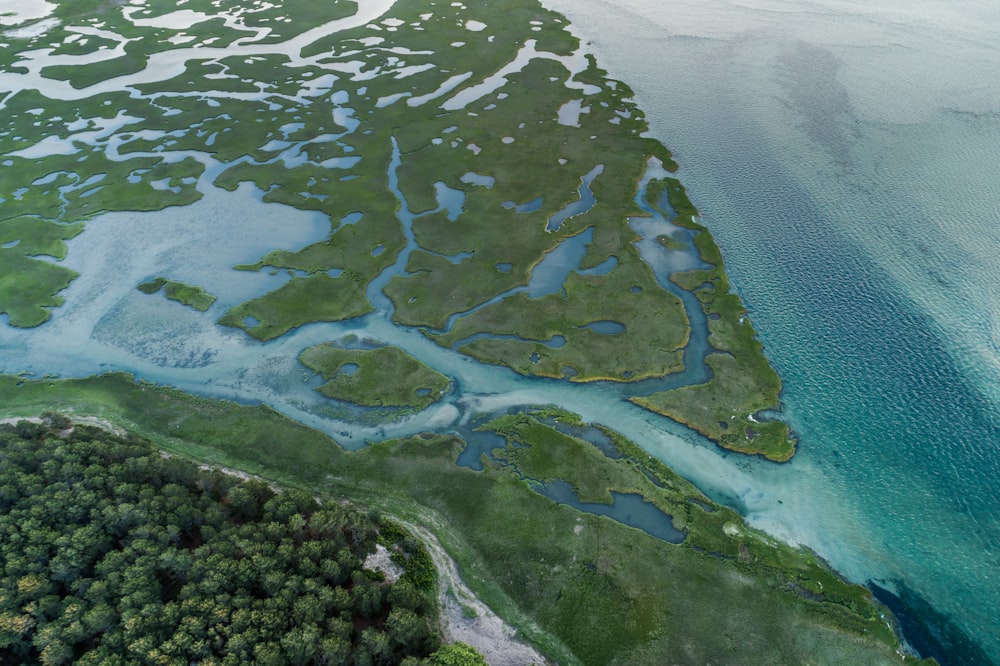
{"x": 626, "y": 508}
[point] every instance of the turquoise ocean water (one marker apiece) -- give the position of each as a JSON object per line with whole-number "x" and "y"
{"x": 846, "y": 158}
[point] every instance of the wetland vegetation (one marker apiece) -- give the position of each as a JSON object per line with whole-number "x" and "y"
{"x": 583, "y": 588}
{"x": 480, "y": 175}
{"x": 378, "y": 125}
{"x": 185, "y": 294}
{"x": 742, "y": 382}
{"x": 379, "y": 377}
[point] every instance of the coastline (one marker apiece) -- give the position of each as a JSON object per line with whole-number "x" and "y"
{"x": 795, "y": 141}
{"x": 749, "y": 415}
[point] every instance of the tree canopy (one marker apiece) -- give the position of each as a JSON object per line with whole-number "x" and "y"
{"x": 113, "y": 553}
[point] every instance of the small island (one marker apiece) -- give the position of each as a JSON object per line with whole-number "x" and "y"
{"x": 378, "y": 377}
{"x": 185, "y": 294}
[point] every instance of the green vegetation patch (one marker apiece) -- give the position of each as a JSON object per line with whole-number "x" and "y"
{"x": 381, "y": 377}
{"x": 584, "y": 588}
{"x": 538, "y": 158}
{"x": 30, "y": 286}
{"x": 656, "y": 328}
{"x": 540, "y": 451}
{"x": 308, "y": 136}
{"x": 439, "y": 145}
{"x": 113, "y": 552}
{"x": 300, "y": 301}
{"x": 33, "y": 236}
{"x": 723, "y": 409}
{"x": 85, "y": 181}
{"x": 185, "y": 294}
{"x": 743, "y": 383}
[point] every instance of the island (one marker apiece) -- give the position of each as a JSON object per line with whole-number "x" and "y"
{"x": 185, "y": 294}
{"x": 376, "y": 377}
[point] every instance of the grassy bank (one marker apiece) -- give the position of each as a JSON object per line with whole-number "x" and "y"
{"x": 381, "y": 377}
{"x": 185, "y": 294}
{"x": 29, "y": 287}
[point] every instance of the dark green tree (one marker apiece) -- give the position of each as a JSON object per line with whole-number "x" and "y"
{"x": 111, "y": 553}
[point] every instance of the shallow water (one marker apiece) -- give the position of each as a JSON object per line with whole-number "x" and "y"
{"x": 581, "y": 205}
{"x": 844, "y": 157}
{"x": 626, "y": 508}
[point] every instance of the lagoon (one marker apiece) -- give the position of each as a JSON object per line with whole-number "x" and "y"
{"x": 627, "y": 508}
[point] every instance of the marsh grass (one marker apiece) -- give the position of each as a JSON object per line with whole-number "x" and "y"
{"x": 185, "y": 294}
{"x": 656, "y": 328}
{"x": 743, "y": 383}
{"x": 385, "y": 376}
{"x": 29, "y": 286}
{"x": 511, "y": 134}
{"x": 297, "y": 302}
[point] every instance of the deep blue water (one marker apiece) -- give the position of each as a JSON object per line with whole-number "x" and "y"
{"x": 876, "y": 397}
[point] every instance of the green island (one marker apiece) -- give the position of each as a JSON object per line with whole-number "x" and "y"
{"x": 583, "y": 588}
{"x": 483, "y": 181}
{"x": 379, "y": 377}
{"x": 185, "y": 294}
